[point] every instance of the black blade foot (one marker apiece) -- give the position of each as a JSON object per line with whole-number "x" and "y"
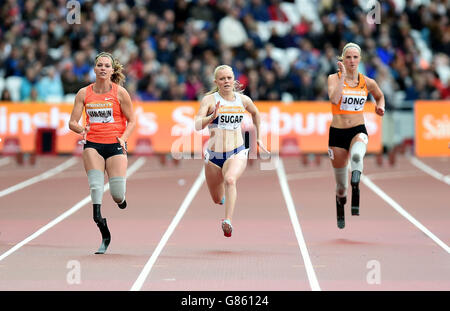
{"x": 106, "y": 236}
{"x": 356, "y": 175}
{"x": 340, "y": 202}
{"x": 103, "y": 246}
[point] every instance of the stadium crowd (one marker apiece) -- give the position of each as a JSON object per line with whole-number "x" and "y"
{"x": 279, "y": 50}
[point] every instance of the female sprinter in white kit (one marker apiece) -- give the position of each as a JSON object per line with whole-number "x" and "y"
{"x": 222, "y": 110}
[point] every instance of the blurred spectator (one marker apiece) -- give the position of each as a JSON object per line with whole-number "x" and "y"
{"x": 170, "y": 47}
{"x": 28, "y": 83}
{"x": 12, "y": 64}
{"x": 276, "y": 13}
{"x": 231, "y": 30}
{"x": 50, "y": 85}
{"x": 34, "y": 96}
{"x": 386, "y": 84}
{"x": 151, "y": 92}
{"x": 307, "y": 90}
{"x": 259, "y": 10}
{"x": 102, "y": 9}
{"x": 202, "y": 11}
{"x": 81, "y": 66}
{"x": 70, "y": 83}
{"x": 6, "y": 95}
{"x": 194, "y": 88}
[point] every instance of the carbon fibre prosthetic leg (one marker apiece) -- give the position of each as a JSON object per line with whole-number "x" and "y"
{"x": 102, "y": 225}
{"x": 356, "y": 175}
{"x": 340, "y": 202}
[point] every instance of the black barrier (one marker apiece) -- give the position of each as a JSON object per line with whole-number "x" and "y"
{"x": 46, "y": 141}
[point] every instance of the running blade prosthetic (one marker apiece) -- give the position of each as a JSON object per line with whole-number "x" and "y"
{"x": 356, "y": 175}
{"x": 106, "y": 236}
{"x": 340, "y": 202}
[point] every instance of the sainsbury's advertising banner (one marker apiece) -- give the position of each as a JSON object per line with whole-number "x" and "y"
{"x": 432, "y": 127}
{"x": 169, "y": 126}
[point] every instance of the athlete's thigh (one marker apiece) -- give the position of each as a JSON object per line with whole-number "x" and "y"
{"x": 213, "y": 176}
{"x": 92, "y": 160}
{"x": 116, "y": 166}
{"x": 338, "y": 157}
{"x": 234, "y": 167}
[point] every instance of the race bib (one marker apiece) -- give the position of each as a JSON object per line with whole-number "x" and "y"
{"x": 100, "y": 112}
{"x": 230, "y": 117}
{"x": 353, "y": 100}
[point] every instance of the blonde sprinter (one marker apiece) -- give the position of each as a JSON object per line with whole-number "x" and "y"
{"x": 222, "y": 110}
{"x": 348, "y": 90}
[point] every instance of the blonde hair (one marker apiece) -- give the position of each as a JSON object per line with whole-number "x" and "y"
{"x": 237, "y": 87}
{"x": 346, "y": 47}
{"x": 117, "y": 77}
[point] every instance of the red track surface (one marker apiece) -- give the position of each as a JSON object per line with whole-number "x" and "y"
{"x": 263, "y": 253}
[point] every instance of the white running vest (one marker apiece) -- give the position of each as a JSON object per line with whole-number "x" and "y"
{"x": 230, "y": 113}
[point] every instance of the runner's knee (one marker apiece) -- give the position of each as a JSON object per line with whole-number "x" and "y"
{"x": 229, "y": 181}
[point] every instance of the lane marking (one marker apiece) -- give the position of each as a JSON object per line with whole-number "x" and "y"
{"x": 56, "y": 170}
{"x": 403, "y": 212}
{"x": 184, "y": 206}
{"x": 5, "y": 161}
{"x": 296, "y": 225}
{"x": 430, "y": 171}
{"x": 133, "y": 168}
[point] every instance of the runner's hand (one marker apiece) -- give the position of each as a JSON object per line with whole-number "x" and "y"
{"x": 84, "y": 134}
{"x": 216, "y": 111}
{"x": 263, "y": 148}
{"x": 341, "y": 68}
{"x": 379, "y": 110}
{"x": 123, "y": 144}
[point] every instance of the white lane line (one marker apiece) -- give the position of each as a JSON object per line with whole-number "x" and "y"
{"x": 427, "y": 169}
{"x": 5, "y": 161}
{"x": 402, "y": 212}
{"x": 40, "y": 177}
{"x": 314, "y": 283}
{"x": 184, "y": 206}
{"x": 136, "y": 165}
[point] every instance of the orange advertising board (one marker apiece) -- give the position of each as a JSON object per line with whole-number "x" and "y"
{"x": 169, "y": 126}
{"x": 432, "y": 126}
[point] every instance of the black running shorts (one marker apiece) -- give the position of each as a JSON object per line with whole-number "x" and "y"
{"x": 343, "y": 137}
{"x": 105, "y": 150}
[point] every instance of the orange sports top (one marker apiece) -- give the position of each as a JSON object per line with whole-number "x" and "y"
{"x": 104, "y": 115}
{"x": 353, "y": 98}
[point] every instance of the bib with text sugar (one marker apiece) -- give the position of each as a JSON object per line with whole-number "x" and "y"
{"x": 231, "y": 113}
